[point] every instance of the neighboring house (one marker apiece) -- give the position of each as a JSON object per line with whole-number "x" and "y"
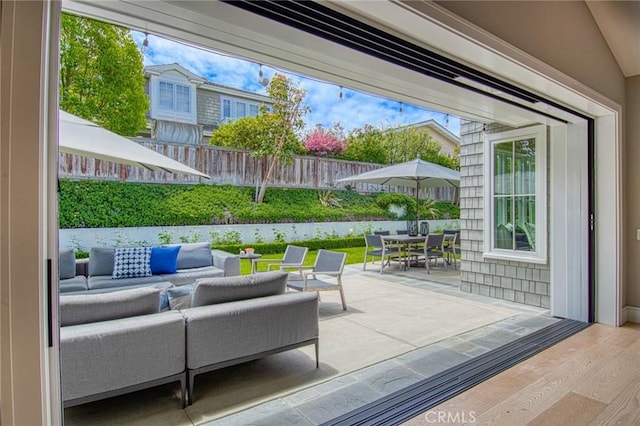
{"x": 187, "y": 108}
{"x": 447, "y": 140}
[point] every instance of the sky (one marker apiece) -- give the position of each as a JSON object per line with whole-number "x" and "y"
{"x": 355, "y": 110}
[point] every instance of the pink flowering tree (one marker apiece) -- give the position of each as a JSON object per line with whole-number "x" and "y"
{"x": 324, "y": 143}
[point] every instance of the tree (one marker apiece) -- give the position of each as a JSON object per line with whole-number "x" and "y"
{"x": 101, "y": 75}
{"x": 323, "y": 143}
{"x": 289, "y": 112}
{"x": 271, "y": 135}
{"x": 366, "y": 145}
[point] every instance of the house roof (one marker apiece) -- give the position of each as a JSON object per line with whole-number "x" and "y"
{"x": 437, "y": 127}
{"x": 159, "y": 69}
{"x": 203, "y": 83}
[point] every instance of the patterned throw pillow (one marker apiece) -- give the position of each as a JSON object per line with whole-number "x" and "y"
{"x": 132, "y": 262}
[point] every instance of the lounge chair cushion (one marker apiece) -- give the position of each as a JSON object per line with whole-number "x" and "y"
{"x": 86, "y": 308}
{"x": 211, "y": 291}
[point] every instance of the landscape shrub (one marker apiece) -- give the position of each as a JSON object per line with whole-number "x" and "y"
{"x": 322, "y": 143}
{"x": 109, "y": 204}
{"x": 399, "y": 199}
{"x": 280, "y": 247}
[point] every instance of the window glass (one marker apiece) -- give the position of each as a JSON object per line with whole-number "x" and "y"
{"x": 253, "y": 110}
{"x": 226, "y": 108}
{"x": 514, "y": 193}
{"x": 183, "y": 99}
{"x": 516, "y": 186}
{"x": 166, "y": 96}
{"x": 241, "y": 109}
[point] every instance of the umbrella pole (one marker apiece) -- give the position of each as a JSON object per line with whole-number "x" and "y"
{"x": 418, "y": 206}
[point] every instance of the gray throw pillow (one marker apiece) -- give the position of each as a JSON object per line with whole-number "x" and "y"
{"x": 86, "y": 308}
{"x": 210, "y": 291}
{"x": 180, "y": 296}
{"x": 194, "y": 255}
{"x": 101, "y": 261}
{"x": 66, "y": 264}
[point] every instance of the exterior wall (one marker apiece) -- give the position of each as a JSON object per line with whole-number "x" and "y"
{"x": 208, "y": 109}
{"x": 447, "y": 145}
{"x": 520, "y": 282}
{"x": 85, "y": 238}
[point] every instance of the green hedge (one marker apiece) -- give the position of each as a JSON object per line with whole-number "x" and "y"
{"x": 108, "y": 204}
{"x": 277, "y": 248}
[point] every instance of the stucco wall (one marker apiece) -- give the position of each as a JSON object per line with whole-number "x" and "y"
{"x": 520, "y": 282}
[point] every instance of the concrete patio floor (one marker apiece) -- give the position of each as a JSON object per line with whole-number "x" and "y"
{"x": 401, "y": 327}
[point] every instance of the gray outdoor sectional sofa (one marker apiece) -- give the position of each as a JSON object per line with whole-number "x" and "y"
{"x": 119, "y": 342}
{"x": 194, "y": 261}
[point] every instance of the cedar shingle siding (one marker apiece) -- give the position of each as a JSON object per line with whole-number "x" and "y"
{"x": 521, "y": 282}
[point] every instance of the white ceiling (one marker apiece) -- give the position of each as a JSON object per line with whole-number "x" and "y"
{"x": 619, "y": 23}
{"x": 222, "y": 27}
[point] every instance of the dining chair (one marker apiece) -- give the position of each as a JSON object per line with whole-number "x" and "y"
{"x": 376, "y": 246}
{"x": 433, "y": 250}
{"x": 451, "y": 246}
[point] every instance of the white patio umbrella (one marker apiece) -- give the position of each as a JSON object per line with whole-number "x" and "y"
{"x": 413, "y": 174}
{"x": 82, "y": 137}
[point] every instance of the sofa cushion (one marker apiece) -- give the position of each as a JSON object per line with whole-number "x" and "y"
{"x": 102, "y": 281}
{"x": 86, "y": 308}
{"x": 194, "y": 255}
{"x": 190, "y": 276}
{"x": 210, "y": 291}
{"x": 77, "y": 283}
{"x": 67, "y": 264}
{"x": 101, "y": 261}
{"x": 164, "y": 260}
{"x": 111, "y": 355}
{"x": 132, "y": 262}
{"x": 180, "y": 296}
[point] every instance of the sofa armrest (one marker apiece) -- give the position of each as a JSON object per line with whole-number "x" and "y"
{"x": 229, "y": 263}
{"x": 227, "y": 331}
{"x": 108, "y": 355}
{"x": 82, "y": 267}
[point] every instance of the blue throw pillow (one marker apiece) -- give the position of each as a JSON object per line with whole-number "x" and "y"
{"x": 164, "y": 260}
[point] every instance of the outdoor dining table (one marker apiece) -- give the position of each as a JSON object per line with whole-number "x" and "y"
{"x": 402, "y": 242}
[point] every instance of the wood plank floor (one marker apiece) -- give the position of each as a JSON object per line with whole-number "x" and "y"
{"x": 591, "y": 378}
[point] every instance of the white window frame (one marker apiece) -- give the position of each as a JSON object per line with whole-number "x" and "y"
{"x": 234, "y": 108}
{"x": 539, "y": 255}
{"x": 171, "y": 114}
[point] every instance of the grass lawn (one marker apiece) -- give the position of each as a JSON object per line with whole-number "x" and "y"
{"x": 354, "y": 255}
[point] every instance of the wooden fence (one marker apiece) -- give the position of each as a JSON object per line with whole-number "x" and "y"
{"x": 235, "y": 167}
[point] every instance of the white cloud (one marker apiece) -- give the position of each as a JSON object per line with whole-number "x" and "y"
{"x": 355, "y": 110}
